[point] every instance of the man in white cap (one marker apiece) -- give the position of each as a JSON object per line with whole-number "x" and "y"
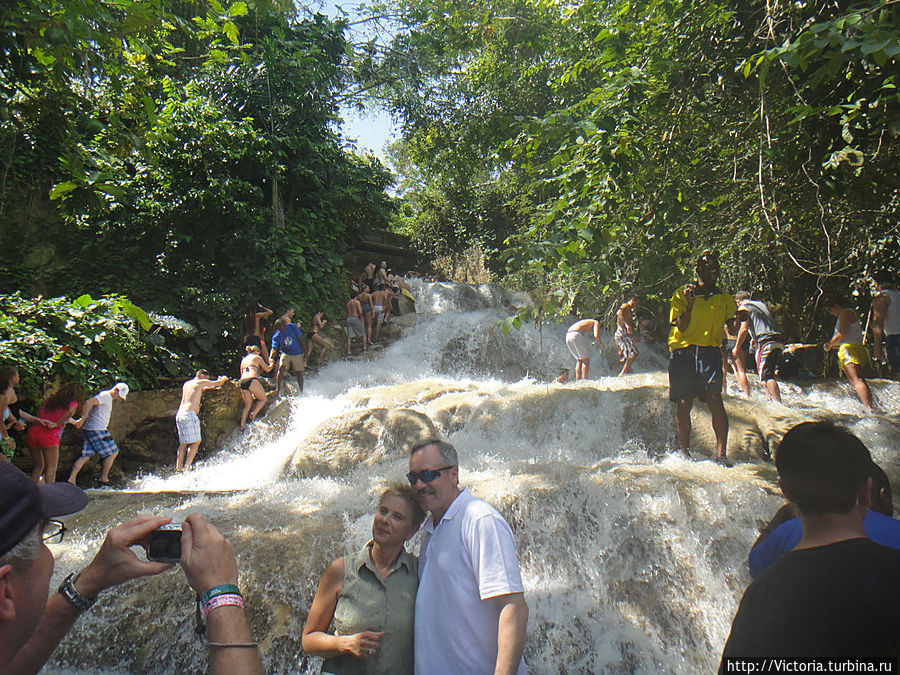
{"x": 31, "y": 625}
{"x": 96, "y": 439}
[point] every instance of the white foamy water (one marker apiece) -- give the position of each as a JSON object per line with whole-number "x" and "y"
{"x": 633, "y": 559}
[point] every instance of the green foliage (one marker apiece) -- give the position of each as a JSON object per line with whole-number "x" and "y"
{"x": 94, "y": 342}
{"x": 626, "y": 136}
{"x": 182, "y": 154}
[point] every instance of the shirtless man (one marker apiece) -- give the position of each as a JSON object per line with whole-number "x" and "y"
{"x": 252, "y": 367}
{"x": 365, "y": 302}
{"x": 367, "y": 278}
{"x": 381, "y": 276}
{"x": 187, "y": 419}
{"x": 625, "y": 336}
{"x": 578, "y": 343}
{"x": 381, "y": 303}
{"x": 354, "y": 326}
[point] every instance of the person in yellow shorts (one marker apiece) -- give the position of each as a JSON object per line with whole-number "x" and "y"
{"x": 847, "y": 339}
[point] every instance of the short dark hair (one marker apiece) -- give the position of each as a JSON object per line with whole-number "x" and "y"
{"x": 448, "y": 452}
{"x": 279, "y": 324}
{"x": 883, "y": 277}
{"x": 203, "y": 372}
{"x": 822, "y": 466}
{"x": 835, "y": 301}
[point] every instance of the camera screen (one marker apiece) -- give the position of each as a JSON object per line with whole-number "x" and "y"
{"x": 164, "y": 545}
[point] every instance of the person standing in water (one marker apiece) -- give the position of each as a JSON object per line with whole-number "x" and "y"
{"x": 354, "y": 326}
{"x": 757, "y": 322}
{"x": 94, "y": 425}
{"x": 848, "y": 340}
{"x": 252, "y": 366}
{"x": 317, "y": 324}
{"x": 288, "y": 342}
{"x": 697, "y": 317}
{"x": 624, "y": 336}
{"x": 187, "y": 419}
{"x": 886, "y": 322}
{"x": 580, "y": 345}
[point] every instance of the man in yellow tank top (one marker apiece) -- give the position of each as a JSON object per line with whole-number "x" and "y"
{"x": 697, "y": 318}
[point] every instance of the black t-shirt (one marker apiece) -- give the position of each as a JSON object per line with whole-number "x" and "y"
{"x": 840, "y": 600}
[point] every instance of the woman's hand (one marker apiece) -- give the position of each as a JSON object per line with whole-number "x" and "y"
{"x": 362, "y": 645}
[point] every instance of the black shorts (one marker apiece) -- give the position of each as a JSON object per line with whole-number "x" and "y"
{"x": 767, "y": 360}
{"x": 892, "y": 349}
{"x": 694, "y": 371}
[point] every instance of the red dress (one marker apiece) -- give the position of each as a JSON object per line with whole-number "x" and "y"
{"x": 39, "y": 436}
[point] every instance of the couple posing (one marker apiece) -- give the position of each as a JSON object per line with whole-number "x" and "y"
{"x": 459, "y": 609}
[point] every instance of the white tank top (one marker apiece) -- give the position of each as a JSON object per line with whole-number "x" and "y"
{"x": 892, "y": 318}
{"x": 853, "y": 334}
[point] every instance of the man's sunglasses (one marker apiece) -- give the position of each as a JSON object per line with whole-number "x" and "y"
{"x": 426, "y": 475}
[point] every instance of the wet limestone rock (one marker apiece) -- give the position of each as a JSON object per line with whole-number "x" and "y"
{"x": 361, "y": 436}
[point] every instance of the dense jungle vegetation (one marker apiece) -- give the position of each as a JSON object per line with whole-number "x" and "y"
{"x": 594, "y": 148}
{"x": 182, "y": 157}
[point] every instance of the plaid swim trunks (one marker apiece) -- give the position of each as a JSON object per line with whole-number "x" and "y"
{"x": 188, "y": 424}
{"x": 97, "y": 443}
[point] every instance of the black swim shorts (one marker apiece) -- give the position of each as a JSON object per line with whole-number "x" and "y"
{"x": 892, "y": 349}
{"x": 694, "y": 371}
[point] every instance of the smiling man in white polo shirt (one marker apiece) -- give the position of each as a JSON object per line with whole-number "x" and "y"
{"x": 471, "y": 613}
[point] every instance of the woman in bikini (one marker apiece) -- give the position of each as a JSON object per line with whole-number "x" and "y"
{"x": 318, "y": 323}
{"x": 252, "y": 367}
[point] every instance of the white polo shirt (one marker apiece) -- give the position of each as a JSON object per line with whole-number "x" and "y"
{"x": 467, "y": 560}
{"x": 98, "y": 417}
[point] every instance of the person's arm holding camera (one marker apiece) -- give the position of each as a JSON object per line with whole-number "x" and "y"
{"x": 208, "y": 561}
{"x": 115, "y": 563}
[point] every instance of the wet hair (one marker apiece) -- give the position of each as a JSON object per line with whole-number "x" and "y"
{"x": 405, "y": 492}
{"x": 70, "y": 391}
{"x": 822, "y": 466}
{"x": 280, "y": 324}
{"x": 881, "y": 492}
{"x": 7, "y": 374}
{"x": 448, "y": 452}
{"x": 203, "y": 372}
{"x": 252, "y": 349}
{"x": 834, "y": 301}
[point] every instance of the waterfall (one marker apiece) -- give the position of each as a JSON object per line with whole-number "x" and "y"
{"x": 633, "y": 558}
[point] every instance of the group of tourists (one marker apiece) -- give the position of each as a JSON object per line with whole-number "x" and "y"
{"x": 827, "y": 587}
{"x": 370, "y": 304}
{"x": 44, "y": 430}
{"x": 701, "y": 344}
{"x": 459, "y": 607}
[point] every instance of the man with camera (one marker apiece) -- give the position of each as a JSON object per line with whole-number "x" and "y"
{"x": 31, "y": 626}
{"x": 697, "y": 317}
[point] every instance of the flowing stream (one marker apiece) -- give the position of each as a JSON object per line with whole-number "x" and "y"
{"x": 633, "y": 558}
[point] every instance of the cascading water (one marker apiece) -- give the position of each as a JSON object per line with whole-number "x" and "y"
{"x": 633, "y": 559}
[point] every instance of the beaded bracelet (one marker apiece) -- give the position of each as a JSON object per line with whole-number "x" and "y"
{"x": 222, "y": 601}
{"x": 222, "y": 589}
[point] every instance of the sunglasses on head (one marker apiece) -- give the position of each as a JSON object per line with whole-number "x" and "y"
{"x": 426, "y": 475}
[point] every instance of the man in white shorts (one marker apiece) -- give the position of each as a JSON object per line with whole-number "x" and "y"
{"x": 471, "y": 613}
{"x": 579, "y": 344}
{"x": 187, "y": 419}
